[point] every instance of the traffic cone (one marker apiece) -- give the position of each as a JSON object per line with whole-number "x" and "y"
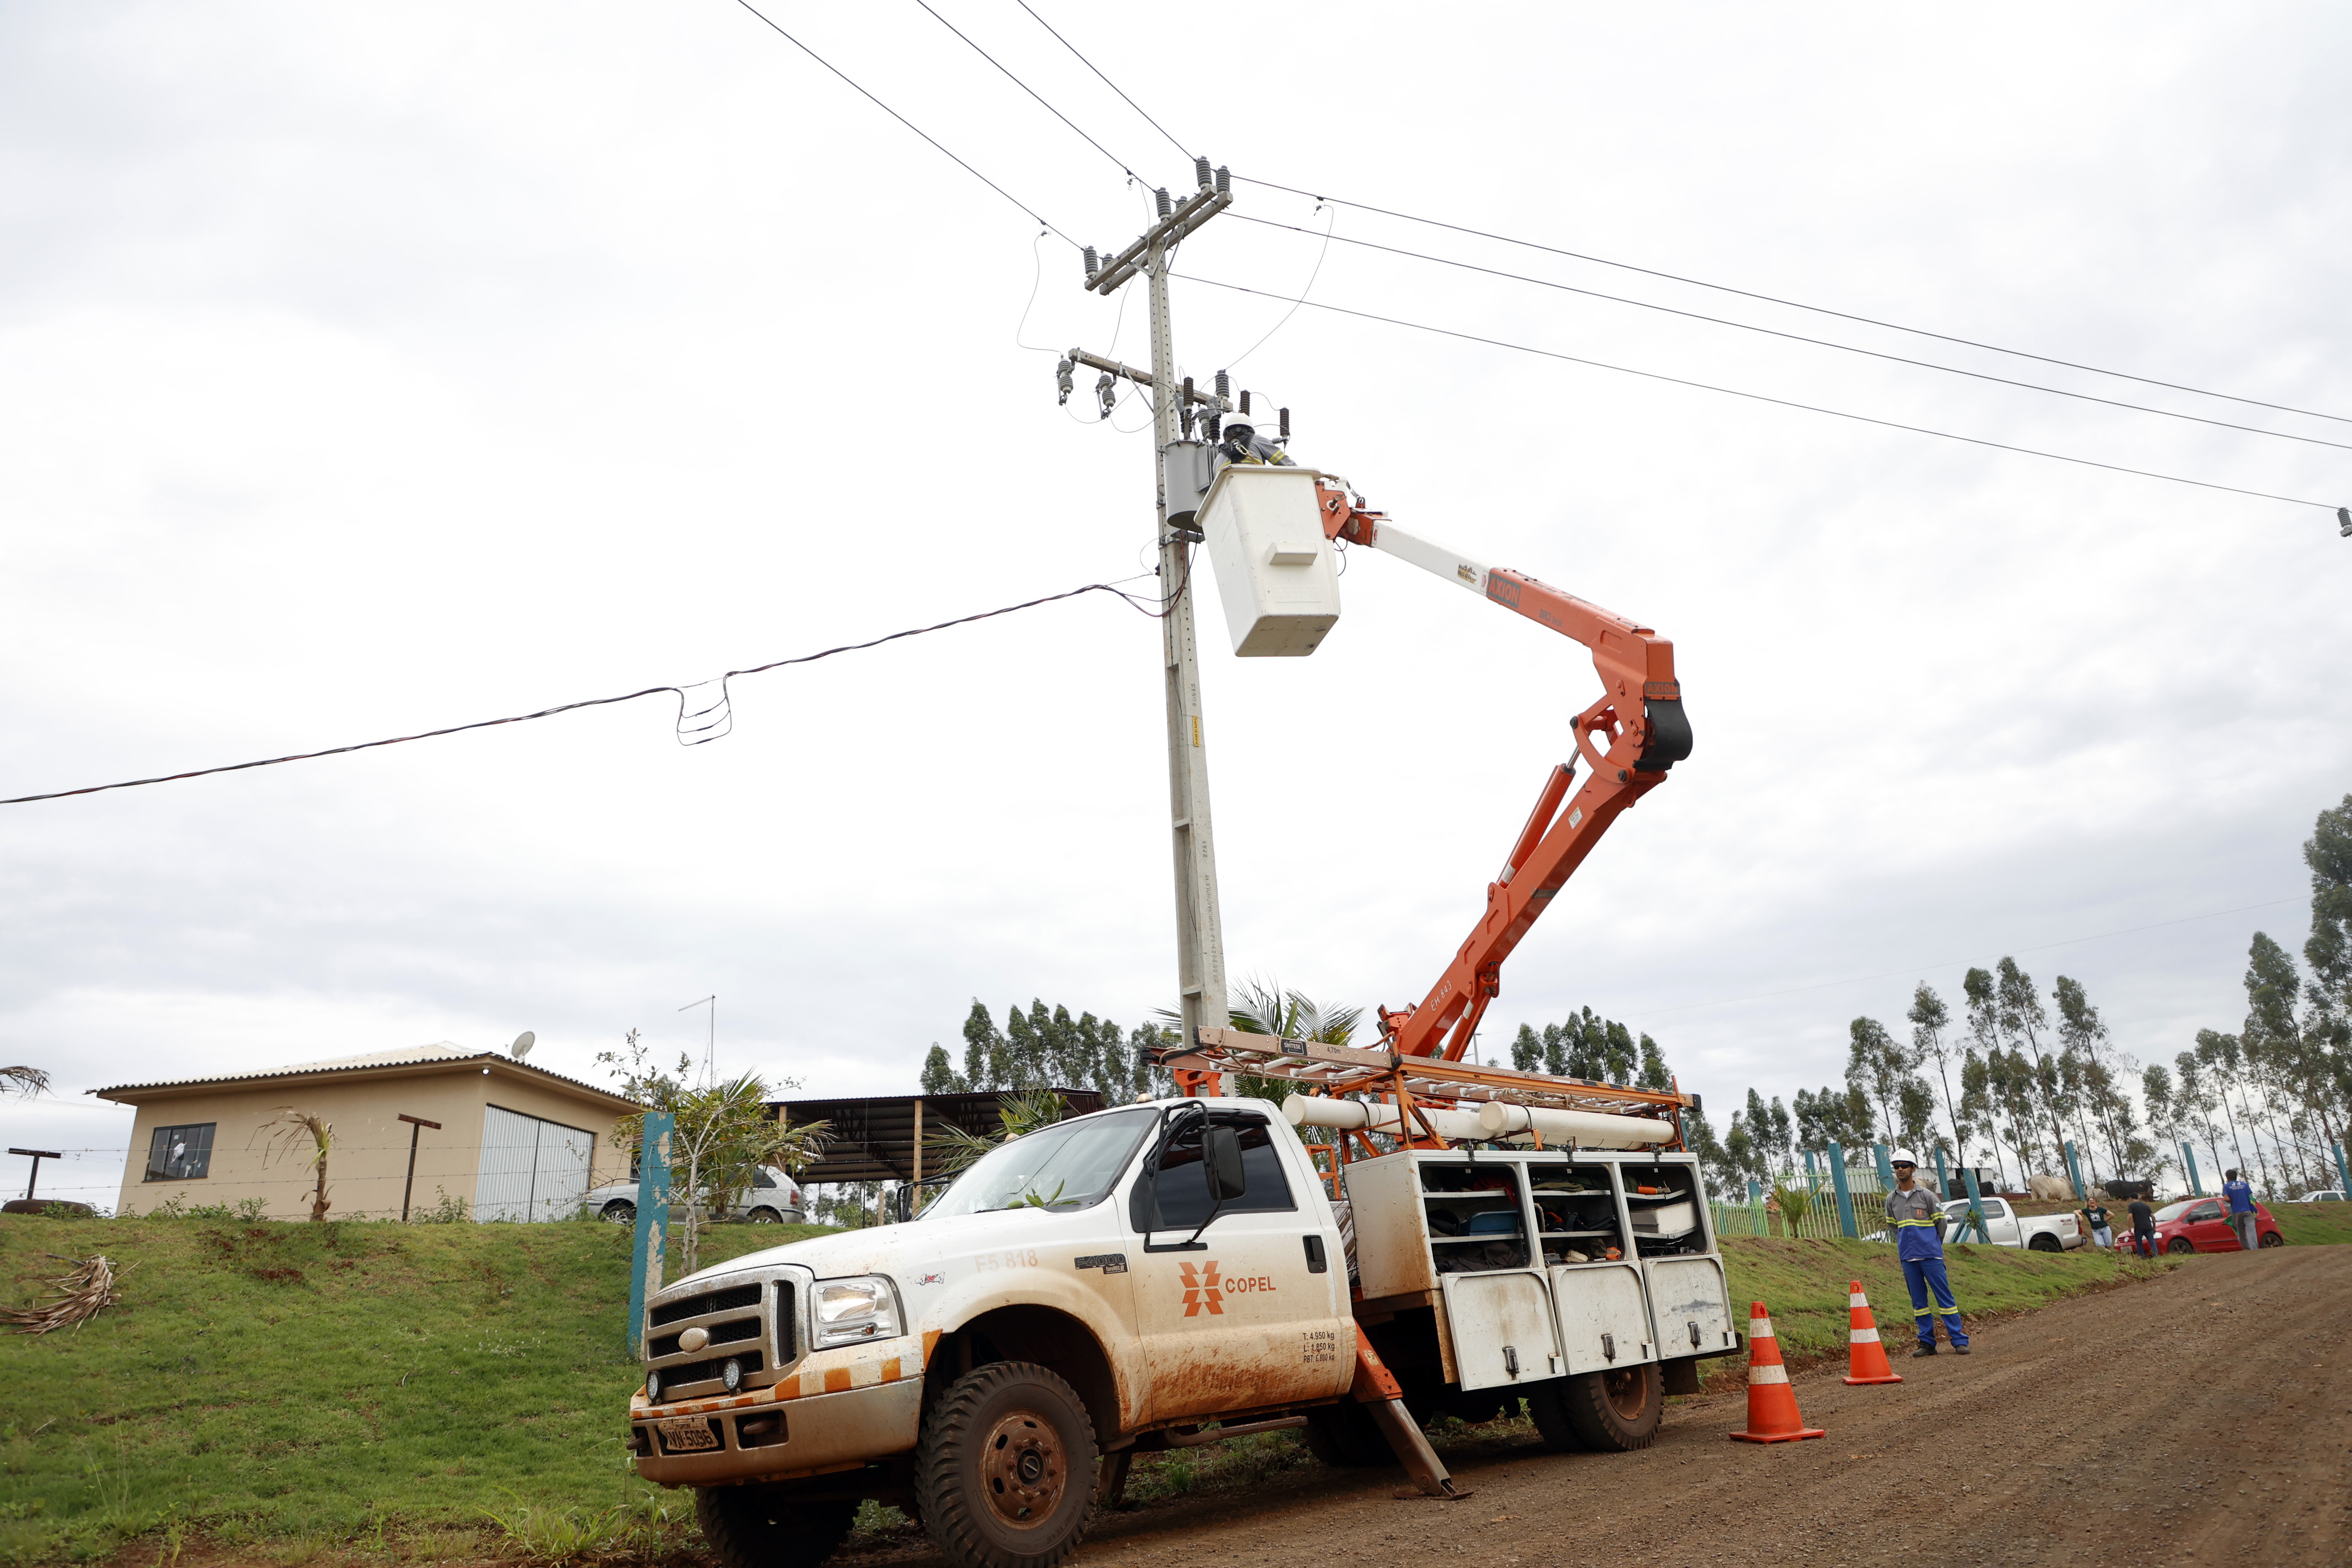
{"x": 1772, "y": 1404}
{"x": 1865, "y": 1356}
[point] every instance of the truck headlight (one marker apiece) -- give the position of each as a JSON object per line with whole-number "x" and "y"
{"x": 849, "y": 1311}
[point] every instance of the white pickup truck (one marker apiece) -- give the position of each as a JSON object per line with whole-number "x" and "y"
{"x": 2007, "y": 1228}
{"x": 1112, "y": 1283}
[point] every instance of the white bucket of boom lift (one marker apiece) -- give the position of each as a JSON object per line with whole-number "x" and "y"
{"x": 1275, "y": 573}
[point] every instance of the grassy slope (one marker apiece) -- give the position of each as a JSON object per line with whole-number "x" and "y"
{"x": 276, "y": 1382}
{"x": 287, "y": 1380}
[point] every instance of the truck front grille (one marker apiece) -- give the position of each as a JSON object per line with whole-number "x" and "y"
{"x": 753, "y": 1325}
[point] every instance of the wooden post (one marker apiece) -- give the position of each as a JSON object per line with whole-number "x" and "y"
{"x": 416, "y": 1126}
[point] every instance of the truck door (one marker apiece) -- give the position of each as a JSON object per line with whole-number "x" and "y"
{"x": 1257, "y": 1314}
{"x": 2001, "y": 1223}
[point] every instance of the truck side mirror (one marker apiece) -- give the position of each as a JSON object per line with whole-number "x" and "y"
{"x": 1221, "y": 1157}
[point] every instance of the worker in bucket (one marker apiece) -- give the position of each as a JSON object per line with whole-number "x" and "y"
{"x": 1241, "y": 444}
{"x": 1913, "y": 1211}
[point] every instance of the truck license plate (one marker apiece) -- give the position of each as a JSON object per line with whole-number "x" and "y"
{"x": 685, "y": 1432}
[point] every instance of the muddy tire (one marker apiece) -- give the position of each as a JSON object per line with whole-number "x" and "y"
{"x": 1345, "y": 1436}
{"x": 2044, "y": 1242}
{"x": 1548, "y": 1406}
{"x": 1615, "y": 1412}
{"x": 1005, "y": 1470}
{"x": 763, "y": 1527}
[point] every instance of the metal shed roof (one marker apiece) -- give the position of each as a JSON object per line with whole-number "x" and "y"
{"x": 398, "y": 1062}
{"x": 874, "y": 1140}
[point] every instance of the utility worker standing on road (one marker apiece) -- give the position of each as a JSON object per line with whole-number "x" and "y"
{"x": 2240, "y": 1194}
{"x": 1913, "y": 1211}
{"x": 1241, "y": 444}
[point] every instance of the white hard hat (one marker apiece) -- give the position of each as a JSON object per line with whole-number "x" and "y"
{"x": 1903, "y": 1157}
{"x": 1236, "y": 416}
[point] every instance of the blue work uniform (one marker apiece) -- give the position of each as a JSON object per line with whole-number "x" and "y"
{"x": 1913, "y": 1215}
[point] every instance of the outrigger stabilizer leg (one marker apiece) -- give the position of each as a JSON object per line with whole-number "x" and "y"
{"x": 1376, "y": 1389}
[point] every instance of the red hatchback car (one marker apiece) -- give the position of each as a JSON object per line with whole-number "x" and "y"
{"x": 2202, "y": 1225}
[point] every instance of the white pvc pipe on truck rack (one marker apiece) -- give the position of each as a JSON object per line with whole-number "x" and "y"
{"x": 1356, "y": 1115}
{"x": 1589, "y": 1127}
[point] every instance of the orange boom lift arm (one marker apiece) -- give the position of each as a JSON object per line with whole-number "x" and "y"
{"x": 1628, "y": 739}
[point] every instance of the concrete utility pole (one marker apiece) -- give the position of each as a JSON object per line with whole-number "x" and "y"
{"x": 1199, "y": 933}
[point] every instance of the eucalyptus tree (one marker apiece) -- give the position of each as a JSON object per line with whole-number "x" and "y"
{"x": 1930, "y": 1019}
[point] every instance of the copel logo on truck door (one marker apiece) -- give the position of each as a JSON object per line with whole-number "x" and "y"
{"x": 1201, "y": 1290}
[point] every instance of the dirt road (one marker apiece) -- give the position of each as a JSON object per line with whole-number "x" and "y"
{"x": 2204, "y": 1418}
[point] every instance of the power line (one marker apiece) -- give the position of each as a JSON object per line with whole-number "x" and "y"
{"x": 1106, "y": 80}
{"x": 1800, "y": 305}
{"x": 1032, "y": 92}
{"x": 1761, "y": 397}
{"x": 902, "y": 120}
{"x": 683, "y": 717}
{"x": 1797, "y": 337}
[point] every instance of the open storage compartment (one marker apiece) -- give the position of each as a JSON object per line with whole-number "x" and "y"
{"x": 1476, "y": 1220}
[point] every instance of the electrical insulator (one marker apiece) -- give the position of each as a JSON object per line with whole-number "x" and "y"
{"x": 1166, "y": 206}
{"x": 1201, "y": 171}
{"x": 1094, "y": 268}
{"x": 1286, "y": 424}
{"x": 1224, "y": 181}
{"x": 1062, "y": 380}
{"x": 1245, "y": 400}
{"x": 1105, "y": 395}
{"x": 1225, "y": 388}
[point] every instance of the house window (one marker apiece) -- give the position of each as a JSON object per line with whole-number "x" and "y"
{"x": 181, "y": 1153}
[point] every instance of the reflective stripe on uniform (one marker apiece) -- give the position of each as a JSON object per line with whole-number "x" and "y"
{"x": 1757, "y": 1374}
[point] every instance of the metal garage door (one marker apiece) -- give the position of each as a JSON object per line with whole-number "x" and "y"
{"x": 532, "y": 1169}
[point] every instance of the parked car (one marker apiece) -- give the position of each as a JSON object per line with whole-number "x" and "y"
{"x": 2036, "y": 1232}
{"x": 2329, "y": 1195}
{"x": 774, "y": 1199}
{"x": 2202, "y": 1225}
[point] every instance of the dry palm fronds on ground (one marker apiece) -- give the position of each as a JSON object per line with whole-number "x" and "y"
{"x": 82, "y": 1296}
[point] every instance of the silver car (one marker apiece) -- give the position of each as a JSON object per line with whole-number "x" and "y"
{"x": 774, "y": 1199}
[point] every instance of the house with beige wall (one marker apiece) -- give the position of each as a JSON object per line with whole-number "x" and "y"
{"x": 514, "y": 1141}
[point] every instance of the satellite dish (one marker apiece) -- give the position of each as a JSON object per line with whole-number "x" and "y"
{"x": 522, "y": 1044}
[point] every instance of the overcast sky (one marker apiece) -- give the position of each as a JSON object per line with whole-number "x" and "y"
{"x": 369, "y": 369}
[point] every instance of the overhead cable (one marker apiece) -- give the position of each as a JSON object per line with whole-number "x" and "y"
{"x": 1106, "y": 80}
{"x": 1759, "y": 396}
{"x": 1797, "y": 337}
{"x": 1799, "y": 304}
{"x": 1032, "y": 92}
{"x": 692, "y": 726}
{"x": 902, "y": 120}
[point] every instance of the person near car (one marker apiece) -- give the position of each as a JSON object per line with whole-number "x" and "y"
{"x": 2240, "y": 1194}
{"x": 1913, "y": 1211}
{"x": 2096, "y": 1218}
{"x": 2143, "y": 1220}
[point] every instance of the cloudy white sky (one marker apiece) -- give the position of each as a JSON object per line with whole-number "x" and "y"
{"x": 374, "y": 369}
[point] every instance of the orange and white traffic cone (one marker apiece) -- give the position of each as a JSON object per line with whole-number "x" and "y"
{"x": 1866, "y": 1357}
{"x": 1772, "y": 1404}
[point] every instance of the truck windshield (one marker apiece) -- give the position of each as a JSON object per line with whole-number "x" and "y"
{"x": 1065, "y": 1166}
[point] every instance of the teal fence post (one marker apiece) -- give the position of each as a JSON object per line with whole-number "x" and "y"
{"x": 1886, "y": 1170}
{"x": 2188, "y": 1158}
{"x": 652, "y": 1237}
{"x": 1943, "y": 1176}
{"x": 1975, "y": 1208}
{"x": 1809, "y": 1164}
{"x": 2074, "y": 1171}
{"x": 2343, "y": 1173}
{"x": 1845, "y": 1199}
{"x": 1755, "y": 1191}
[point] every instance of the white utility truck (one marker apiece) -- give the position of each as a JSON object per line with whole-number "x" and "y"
{"x": 1118, "y": 1282}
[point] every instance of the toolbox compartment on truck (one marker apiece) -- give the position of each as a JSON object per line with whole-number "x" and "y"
{"x": 1542, "y": 1263}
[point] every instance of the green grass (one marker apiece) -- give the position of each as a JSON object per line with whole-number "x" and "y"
{"x": 347, "y": 1382}
{"x": 2314, "y": 1225}
{"x": 1803, "y": 1283}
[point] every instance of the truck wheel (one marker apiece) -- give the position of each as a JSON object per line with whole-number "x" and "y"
{"x": 2044, "y": 1242}
{"x": 620, "y": 1211}
{"x": 1005, "y": 1471}
{"x": 763, "y": 1527}
{"x": 1547, "y": 1404}
{"x": 1615, "y": 1411}
{"x": 1345, "y": 1436}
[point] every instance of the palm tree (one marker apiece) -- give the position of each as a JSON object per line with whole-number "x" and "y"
{"x": 26, "y": 1081}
